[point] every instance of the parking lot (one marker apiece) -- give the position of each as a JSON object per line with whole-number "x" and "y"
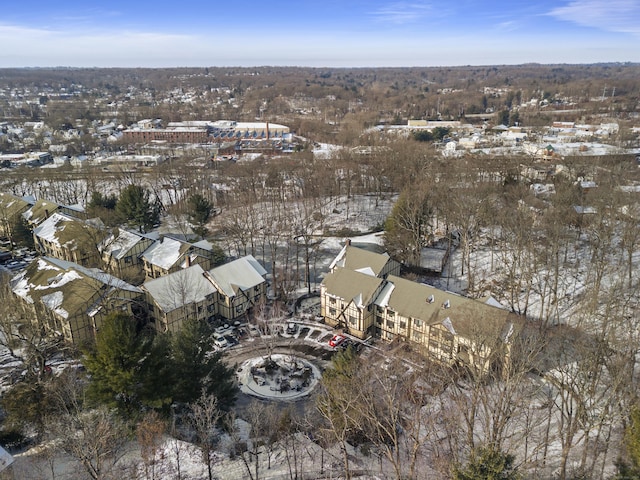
{"x": 16, "y": 260}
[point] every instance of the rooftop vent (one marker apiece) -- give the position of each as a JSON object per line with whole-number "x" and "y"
{"x": 446, "y": 304}
{"x": 431, "y": 299}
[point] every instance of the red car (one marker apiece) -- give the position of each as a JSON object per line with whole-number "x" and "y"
{"x": 336, "y": 340}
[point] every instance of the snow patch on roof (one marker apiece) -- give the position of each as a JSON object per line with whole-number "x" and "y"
{"x": 42, "y": 265}
{"x": 385, "y": 295}
{"x": 119, "y": 246}
{"x": 163, "y": 254}
{"x": 60, "y": 280}
{"x": 180, "y": 288}
{"x": 53, "y": 301}
{"x": 366, "y": 271}
{"x": 22, "y": 287}
{"x": 50, "y": 227}
{"x": 243, "y": 274}
{"x": 448, "y": 325}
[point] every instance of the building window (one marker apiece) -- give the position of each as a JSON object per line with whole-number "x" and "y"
{"x": 417, "y": 323}
{"x": 417, "y": 336}
{"x": 403, "y": 325}
{"x": 128, "y": 260}
{"x": 390, "y": 324}
{"x": 332, "y": 300}
{"x": 210, "y": 307}
{"x": 332, "y": 312}
{"x": 352, "y": 320}
{"x": 391, "y": 313}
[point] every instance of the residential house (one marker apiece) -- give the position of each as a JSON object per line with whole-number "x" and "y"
{"x": 241, "y": 285}
{"x": 121, "y": 253}
{"x": 449, "y": 328}
{"x": 359, "y": 259}
{"x": 73, "y": 300}
{"x": 67, "y": 238}
{"x": 168, "y": 255}
{"x": 11, "y": 208}
{"x": 40, "y": 211}
{"x": 346, "y": 300}
{"x": 179, "y": 296}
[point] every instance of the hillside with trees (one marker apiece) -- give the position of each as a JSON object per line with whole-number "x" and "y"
{"x": 536, "y": 208}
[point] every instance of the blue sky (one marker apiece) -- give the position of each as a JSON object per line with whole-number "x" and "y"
{"x": 327, "y": 33}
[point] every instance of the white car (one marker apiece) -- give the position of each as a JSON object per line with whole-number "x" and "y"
{"x": 220, "y": 342}
{"x": 292, "y": 328}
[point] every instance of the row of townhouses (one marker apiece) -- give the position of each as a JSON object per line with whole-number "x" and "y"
{"x": 80, "y": 275}
{"x": 364, "y": 295}
{"x": 79, "y": 278}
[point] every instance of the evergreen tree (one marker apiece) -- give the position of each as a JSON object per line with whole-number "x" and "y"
{"x": 103, "y": 207}
{"x": 408, "y": 227}
{"x": 21, "y": 233}
{"x": 136, "y": 209}
{"x": 487, "y": 463}
{"x": 197, "y": 369}
{"x": 128, "y": 367}
{"x": 200, "y": 210}
{"x": 25, "y": 406}
{"x": 630, "y": 470}
{"x": 98, "y": 200}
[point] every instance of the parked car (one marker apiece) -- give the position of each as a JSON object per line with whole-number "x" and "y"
{"x": 253, "y": 330}
{"x": 337, "y": 340}
{"x": 220, "y": 342}
{"x": 292, "y": 328}
{"x": 231, "y": 340}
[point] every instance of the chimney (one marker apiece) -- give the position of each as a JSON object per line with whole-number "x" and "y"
{"x": 267, "y": 130}
{"x": 187, "y": 261}
{"x": 348, "y": 242}
{"x": 46, "y": 213}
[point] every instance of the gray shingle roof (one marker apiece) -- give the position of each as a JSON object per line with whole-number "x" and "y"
{"x": 241, "y": 274}
{"x": 180, "y": 288}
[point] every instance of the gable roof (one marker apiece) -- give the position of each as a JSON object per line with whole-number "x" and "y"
{"x": 40, "y": 211}
{"x": 165, "y": 253}
{"x": 95, "y": 273}
{"x": 180, "y": 288}
{"x": 65, "y": 288}
{"x": 11, "y": 205}
{"x": 67, "y": 232}
{"x": 238, "y": 275}
{"x": 352, "y": 286}
{"x": 360, "y": 259}
{"x": 460, "y": 315}
{"x": 117, "y": 246}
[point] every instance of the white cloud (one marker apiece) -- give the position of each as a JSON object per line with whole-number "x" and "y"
{"x": 45, "y": 47}
{"x": 611, "y": 15}
{"x": 402, "y": 12}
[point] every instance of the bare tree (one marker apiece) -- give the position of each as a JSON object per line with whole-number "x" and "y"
{"x": 204, "y": 418}
{"x": 95, "y": 438}
{"x": 150, "y": 431}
